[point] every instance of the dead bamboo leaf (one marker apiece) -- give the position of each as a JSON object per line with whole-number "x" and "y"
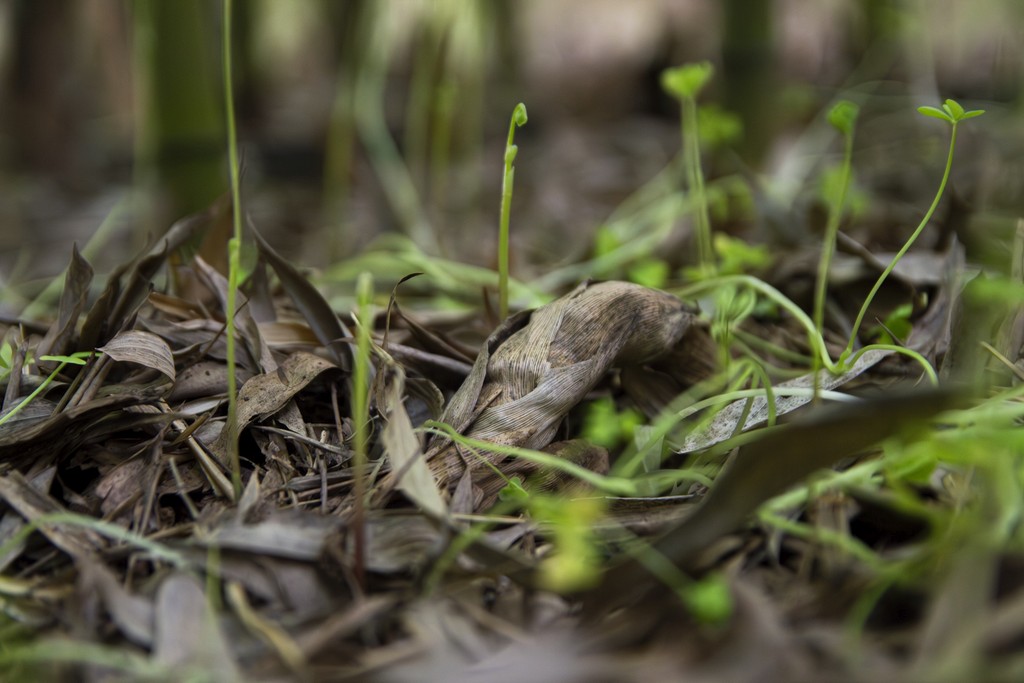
{"x": 11, "y": 523}
{"x": 263, "y": 395}
{"x": 78, "y": 542}
{"x": 133, "y": 614}
{"x": 264, "y": 629}
{"x": 143, "y": 348}
{"x": 59, "y": 338}
{"x": 403, "y": 448}
{"x": 314, "y": 308}
{"x": 299, "y": 535}
{"x": 186, "y": 634}
{"x": 537, "y": 366}
{"x": 725, "y": 424}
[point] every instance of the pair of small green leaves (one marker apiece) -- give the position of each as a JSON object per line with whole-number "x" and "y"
{"x": 951, "y": 111}
{"x": 686, "y": 81}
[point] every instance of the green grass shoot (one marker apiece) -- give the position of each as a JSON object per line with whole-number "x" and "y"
{"x": 234, "y": 247}
{"x": 519, "y": 119}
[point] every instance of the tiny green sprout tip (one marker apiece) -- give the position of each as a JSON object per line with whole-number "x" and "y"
{"x": 688, "y": 80}
{"x": 843, "y": 115}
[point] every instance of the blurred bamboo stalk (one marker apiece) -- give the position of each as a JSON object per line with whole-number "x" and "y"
{"x": 179, "y": 153}
{"x": 751, "y": 78}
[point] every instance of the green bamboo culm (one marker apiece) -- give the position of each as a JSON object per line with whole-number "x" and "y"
{"x": 233, "y": 258}
{"x": 519, "y": 119}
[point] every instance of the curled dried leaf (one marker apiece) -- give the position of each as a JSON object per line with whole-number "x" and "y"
{"x": 538, "y": 365}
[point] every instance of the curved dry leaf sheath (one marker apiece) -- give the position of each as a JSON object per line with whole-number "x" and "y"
{"x": 538, "y": 365}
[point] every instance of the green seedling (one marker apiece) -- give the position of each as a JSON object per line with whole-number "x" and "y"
{"x": 519, "y": 119}
{"x": 6, "y": 359}
{"x": 709, "y": 599}
{"x": 234, "y": 247}
{"x": 718, "y": 127}
{"x": 361, "y": 371}
{"x": 605, "y": 425}
{"x": 842, "y": 116}
{"x": 895, "y": 327}
{"x": 649, "y": 272}
{"x": 78, "y": 358}
{"x": 575, "y": 563}
{"x": 952, "y": 113}
{"x": 630, "y": 486}
{"x": 685, "y": 83}
{"x": 736, "y": 256}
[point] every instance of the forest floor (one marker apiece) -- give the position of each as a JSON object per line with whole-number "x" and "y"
{"x": 652, "y": 468}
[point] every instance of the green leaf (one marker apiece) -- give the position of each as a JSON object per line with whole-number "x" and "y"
{"x": 73, "y": 360}
{"x": 718, "y": 127}
{"x": 736, "y": 256}
{"x": 510, "y": 154}
{"x": 843, "y": 115}
{"x": 514, "y": 491}
{"x": 687, "y": 80}
{"x": 972, "y": 113}
{"x": 954, "y": 108}
{"x": 649, "y": 272}
{"x": 935, "y": 113}
{"x": 605, "y": 241}
{"x": 709, "y": 600}
{"x": 605, "y": 426}
{"x": 519, "y": 115}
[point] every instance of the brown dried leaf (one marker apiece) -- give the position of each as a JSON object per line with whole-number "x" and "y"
{"x": 263, "y": 395}
{"x": 402, "y": 446}
{"x": 538, "y": 365}
{"x": 59, "y": 337}
{"x": 133, "y": 614}
{"x": 12, "y": 522}
{"x": 144, "y": 348}
{"x": 121, "y": 484}
{"x": 187, "y": 635}
{"x": 68, "y": 429}
{"x": 32, "y": 504}
{"x": 314, "y": 308}
{"x": 295, "y": 535}
{"x": 726, "y": 423}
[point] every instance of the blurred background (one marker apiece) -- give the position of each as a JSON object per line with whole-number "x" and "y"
{"x": 363, "y": 120}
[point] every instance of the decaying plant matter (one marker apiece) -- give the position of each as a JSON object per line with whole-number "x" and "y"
{"x": 539, "y": 364}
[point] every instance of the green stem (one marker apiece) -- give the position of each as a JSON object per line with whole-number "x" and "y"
{"x": 906, "y": 247}
{"x": 506, "y": 206}
{"x": 44, "y": 384}
{"x": 828, "y": 247}
{"x": 695, "y": 182}
{"x": 361, "y": 371}
{"x": 233, "y": 259}
{"x": 814, "y": 339}
{"x": 518, "y": 119}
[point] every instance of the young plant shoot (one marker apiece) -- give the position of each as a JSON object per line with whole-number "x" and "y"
{"x": 685, "y": 83}
{"x": 953, "y": 114}
{"x": 842, "y": 116}
{"x": 234, "y": 245}
{"x": 518, "y": 119}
